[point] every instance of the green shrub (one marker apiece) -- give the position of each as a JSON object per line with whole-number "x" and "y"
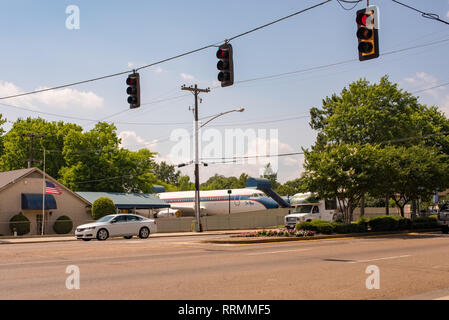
{"x": 348, "y": 228}
{"x": 325, "y": 228}
{"x": 404, "y": 224}
{"x": 63, "y": 225}
{"x": 317, "y": 225}
{"x": 20, "y": 223}
{"x": 305, "y": 225}
{"x": 102, "y": 207}
{"x": 424, "y": 223}
{"x": 362, "y": 224}
{"x": 384, "y": 223}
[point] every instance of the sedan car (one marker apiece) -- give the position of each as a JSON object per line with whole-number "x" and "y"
{"x": 117, "y": 225}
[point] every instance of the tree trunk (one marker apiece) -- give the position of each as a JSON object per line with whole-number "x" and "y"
{"x": 362, "y": 206}
{"x": 402, "y": 210}
{"x": 387, "y": 209}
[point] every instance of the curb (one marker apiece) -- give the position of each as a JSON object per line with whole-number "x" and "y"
{"x": 56, "y": 238}
{"x": 249, "y": 240}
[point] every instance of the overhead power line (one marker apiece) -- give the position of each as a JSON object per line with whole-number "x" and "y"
{"x": 352, "y": 2}
{"x": 167, "y": 59}
{"x": 236, "y": 83}
{"x": 427, "y": 15}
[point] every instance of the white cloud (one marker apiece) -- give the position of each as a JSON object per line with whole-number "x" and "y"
{"x": 131, "y": 64}
{"x": 130, "y": 140}
{"x": 63, "y": 98}
{"x": 186, "y": 76}
{"x": 438, "y": 96}
{"x": 66, "y": 98}
{"x": 158, "y": 69}
{"x": 216, "y": 83}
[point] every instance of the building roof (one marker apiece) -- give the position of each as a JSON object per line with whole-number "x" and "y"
{"x": 8, "y": 178}
{"x": 127, "y": 200}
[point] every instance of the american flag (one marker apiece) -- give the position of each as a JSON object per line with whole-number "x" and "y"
{"x": 52, "y": 188}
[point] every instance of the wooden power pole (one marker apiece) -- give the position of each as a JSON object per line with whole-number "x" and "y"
{"x": 195, "y": 90}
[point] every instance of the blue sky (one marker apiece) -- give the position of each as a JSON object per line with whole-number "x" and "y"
{"x": 39, "y": 51}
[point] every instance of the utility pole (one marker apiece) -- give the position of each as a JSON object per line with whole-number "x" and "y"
{"x": 32, "y": 136}
{"x": 195, "y": 90}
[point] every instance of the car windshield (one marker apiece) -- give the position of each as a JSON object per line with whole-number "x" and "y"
{"x": 105, "y": 219}
{"x": 303, "y": 209}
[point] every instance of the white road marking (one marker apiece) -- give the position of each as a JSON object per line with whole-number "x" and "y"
{"x": 385, "y": 258}
{"x": 272, "y": 252}
{"x": 442, "y": 298}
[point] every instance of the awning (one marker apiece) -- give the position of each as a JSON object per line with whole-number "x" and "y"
{"x": 33, "y": 201}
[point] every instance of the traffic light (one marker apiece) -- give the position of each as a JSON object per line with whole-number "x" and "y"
{"x": 133, "y": 90}
{"x": 225, "y": 65}
{"x": 367, "y": 33}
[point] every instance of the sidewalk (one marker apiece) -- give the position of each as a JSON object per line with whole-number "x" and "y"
{"x": 63, "y": 238}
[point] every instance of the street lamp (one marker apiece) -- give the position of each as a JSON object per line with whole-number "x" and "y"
{"x": 222, "y": 114}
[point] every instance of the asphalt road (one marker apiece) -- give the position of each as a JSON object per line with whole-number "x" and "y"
{"x": 412, "y": 266}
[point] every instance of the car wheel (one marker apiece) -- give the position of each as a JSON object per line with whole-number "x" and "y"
{"x": 445, "y": 229}
{"x": 144, "y": 233}
{"x": 87, "y": 239}
{"x": 127, "y": 237}
{"x": 102, "y": 234}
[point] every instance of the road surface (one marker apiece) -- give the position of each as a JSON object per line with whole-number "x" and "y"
{"x": 414, "y": 266}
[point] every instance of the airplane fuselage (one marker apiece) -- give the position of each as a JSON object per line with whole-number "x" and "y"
{"x": 218, "y": 202}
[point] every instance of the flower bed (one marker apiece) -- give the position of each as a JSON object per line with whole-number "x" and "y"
{"x": 277, "y": 233}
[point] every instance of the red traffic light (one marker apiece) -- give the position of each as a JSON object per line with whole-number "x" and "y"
{"x": 361, "y": 19}
{"x": 131, "y": 81}
{"x": 222, "y": 54}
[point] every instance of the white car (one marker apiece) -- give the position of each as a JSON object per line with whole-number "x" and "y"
{"x": 117, "y": 225}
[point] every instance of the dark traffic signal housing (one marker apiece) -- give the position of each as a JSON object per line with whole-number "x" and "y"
{"x": 368, "y": 33}
{"x": 225, "y": 65}
{"x": 133, "y": 90}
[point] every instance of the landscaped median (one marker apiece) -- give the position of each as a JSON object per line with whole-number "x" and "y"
{"x": 319, "y": 229}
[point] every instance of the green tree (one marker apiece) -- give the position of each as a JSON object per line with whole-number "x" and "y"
{"x": 184, "y": 184}
{"x": 381, "y": 115}
{"x": 377, "y": 113}
{"x": 103, "y": 206}
{"x": 291, "y": 187}
{"x": 343, "y": 172}
{"x": 17, "y": 147}
{"x": 271, "y": 175}
{"x": 220, "y": 182}
{"x": 166, "y": 173}
{"x": 410, "y": 173}
{"x": 95, "y": 162}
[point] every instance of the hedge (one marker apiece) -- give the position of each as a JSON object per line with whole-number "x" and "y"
{"x": 63, "y": 225}
{"x": 20, "y": 223}
{"x": 101, "y": 207}
{"x": 375, "y": 224}
{"x": 319, "y": 226}
{"x": 424, "y": 222}
{"x": 384, "y": 223}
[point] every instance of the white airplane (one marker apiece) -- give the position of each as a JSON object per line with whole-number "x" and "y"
{"x": 216, "y": 202}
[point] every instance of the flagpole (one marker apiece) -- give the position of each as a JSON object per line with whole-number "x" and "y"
{"x": 43, "y": 199}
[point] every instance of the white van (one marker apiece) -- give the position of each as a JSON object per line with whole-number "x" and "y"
{"x": 309, "y": 207}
